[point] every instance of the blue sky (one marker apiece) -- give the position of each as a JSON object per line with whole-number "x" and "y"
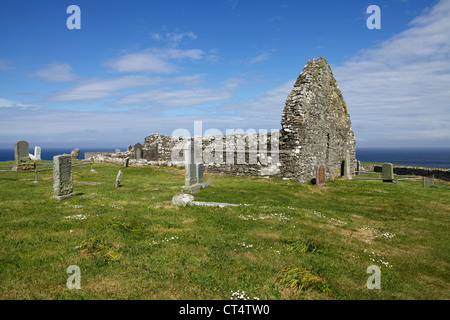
{"x": 141, "y": 67}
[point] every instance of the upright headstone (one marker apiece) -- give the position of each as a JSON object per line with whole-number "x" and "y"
{"x": 129, "y": 148}
{"x": 21, "y": 154}
{"x": 126, "y": 162}
{"x": 62, "y": 177}
{"x": 199, "y": 171}
{"x": 388, "y": 172}
{"x": 117, "y": 150}
{"x": 138, "y": 151}
{"x": 37, "y": 152}
{"x": 346, "y": 167}
{"x": 358, "y": 167}
{"x": 320, "y": 175}
{"x": 190, "y": 170}
{"x": 75, "y": 153}
{"x": 118, "y": 178}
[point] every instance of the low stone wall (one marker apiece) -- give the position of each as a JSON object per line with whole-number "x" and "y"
{"x": 250, "y": 155}
{"x": 442, "y": 174}
{"x": 238, "y": 154}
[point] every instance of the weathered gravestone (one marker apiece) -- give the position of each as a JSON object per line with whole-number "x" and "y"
{"x": 21, "y": 154}
{"x": 388, "y": 172}
{"x": 346, "y": 174}
{"x": 193, "y": 180}
{"x": 117, "y": 150}
{"x": 118, "y": 179}
{"x": 62, "y": 177}
{"x": 358, "y": 167}
{"x": 37, "y": 153}
{"x": 428, "y": 181}
{"x": 200, "y": 169}
{"x": 320, "y": 175}
{"x": 75, "y": 153}
{"x": 138, "y": 151}
{"x": 126, "y": 162}
{"x": 190, "y": 170}
{"x": 129, "y": 148}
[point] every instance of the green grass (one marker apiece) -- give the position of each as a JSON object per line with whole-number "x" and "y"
{"x": 295, "y": 241}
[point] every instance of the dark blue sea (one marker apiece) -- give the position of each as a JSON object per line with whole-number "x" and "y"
{"x": 430, "y": 157}
{"x": 48, "y": 153}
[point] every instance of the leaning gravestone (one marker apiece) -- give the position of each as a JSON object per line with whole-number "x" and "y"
{"x": 388, "y": 172}
{"x": 118, "y": 179}
{"x": 75, "y": 153}
{"x": 320, "y": 175}
{"x": 62, "y": 177}
{"x": 126, "y": 162}
{"x": 138, "y": 151}
{"x": 21, "y": 154}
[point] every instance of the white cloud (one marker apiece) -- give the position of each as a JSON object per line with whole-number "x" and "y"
{"x": 56, "y": 72}
{"x": 153, "y": 60}
{"x": 5, "y": 103}
{"x": 93, "y": 89}
{"x": 176, "y": 98}
{"x": 400, "y": 90}
{"x": 6, "y": 64}
{"x": 173, "y": 38}
{"x": 141, "y": 61}
{"x": 260, "y": 58}
{"x": 176, "y": 37}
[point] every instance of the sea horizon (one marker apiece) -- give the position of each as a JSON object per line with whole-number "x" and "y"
{"x": 428, "y": 157}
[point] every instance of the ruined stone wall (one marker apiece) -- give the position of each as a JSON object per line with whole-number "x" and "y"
{"x": 316, "y": 129}
{"x": 238, "y": 154}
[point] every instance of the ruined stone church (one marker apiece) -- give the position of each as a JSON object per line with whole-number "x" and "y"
{"x": 316, "y": 129}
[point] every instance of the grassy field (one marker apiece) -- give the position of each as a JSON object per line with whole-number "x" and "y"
{"x": 291, "y": 240}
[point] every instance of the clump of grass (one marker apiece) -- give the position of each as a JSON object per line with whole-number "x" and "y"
{"x": 98, "y": 247}
{"x": 132, "y": 226}
{"x": 305, "y": 245}
{"x": 301, "y": 279}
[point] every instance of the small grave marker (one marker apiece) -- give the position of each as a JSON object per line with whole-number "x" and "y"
{"x": 21, "y": 154}
{"x": 118, "y": 179}
{"x": 346, "y": 170}
{"x": 388, "y": 172}
{"x": 62, "y": 177}
{"x": 75, "y": 153}
{"x": 320, "y": 175}
{"x": 193, "y": 180}
{"x": 138, "y": 151}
